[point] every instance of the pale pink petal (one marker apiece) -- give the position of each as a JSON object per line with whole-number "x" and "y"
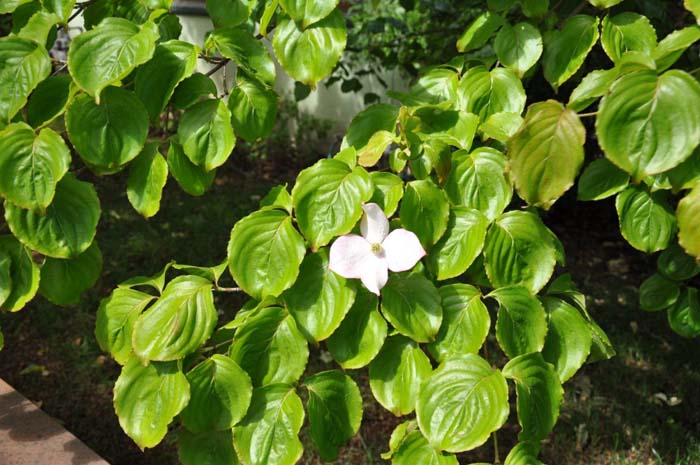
{"x": 374, "y": 273}
{"x": 402, "y": 249}
{"x": 374, "y": 225}
{"x": 348, "y": 254}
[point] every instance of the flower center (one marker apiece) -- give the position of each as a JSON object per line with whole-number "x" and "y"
{"x": 376, "y": 248}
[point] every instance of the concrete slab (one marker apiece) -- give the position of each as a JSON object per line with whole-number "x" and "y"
{"x": 28, "y": 436}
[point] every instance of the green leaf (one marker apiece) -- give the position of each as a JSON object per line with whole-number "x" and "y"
{"x": 109, "y": 135}
{"x": 479, "y": 31}
{"x": 518, "y": 47}
{"x": 147, "y": 177}
{"x": 157, "y": 4}
{"x": 425, "y": 211}
{"x": 604, "y": 4}
{"x": 310, "y": 55}
{"x": 335, "y": 411}
{"x": 328, "y": 200}
{"x": 360, "y": 336}
{"x": 546, "y": 154}
{"x": 253, "y": 108}
{"x": 477, "y": 180}
{"x": 147, "y": 398}
{"x": 64, "y": 281}
{"x": 524, "y": 453}
{"x": 319, "y": 299}
{"x": 627, "y": 32}
{"x": 684, "y": 315}
{"x": 375, "y": 148}
{"x": 395, "y": 375}
{"x": 50, "y": 100}
{"x": 462, "y": 403}
{"x": 229, "y": 12}
{"x": 674, "y": 45}
{"x": 67, "y": 228}
{"x": 648, "y": 124}
{"x": 107, "y": 54}
{"x": 23, "y": 65}
{"x": 534, "y": 8}
{"x": 694, "y": 7}
{"x": 191, "y": 90}
{"x": 675, "y": 264}
{"x": 178, "y": 323}
{"x": 269, "y": 432}
{"x": 388, "y": 191}
{"x": 485, "y": 92}
{"x": 461, "y": 244}
{"x": 206, "y": 134}
{"x": 265, "y": 252}
{"x": 375, "y": 118}
{"x": 567, "y": 48}
{"x": 465, "y": 322}
{"x": 193, "y": 179}
{"x": 414, "y": 448}
{"x": 600, "y": 180}
{"x": 5, "y": 276}
{"x": 115, "y": 321}
{"x": 23, "y": 274}
{"x": 278, "y": 197}
{"x": 39, "y": 26}
{"x": 156, "y": 80}
{"x": 658, "y": 293}
{"x": 539, "y": 394}
{"x": 519, "y": 251}
{"x": 307, "y": 12}
{"x": 210, "y": 448}
{"x": 270, "y": 347}
{"x": 683, "y": 176}
{"x": 412, "y": 305}
{"x": 239, "y": 45}
{"x": 688, "y": 214}
{"x": 568, "y": 341}
{"x": 521, "y": 326}
{"x": 31, "y": 165}
{"x": 593, "y": 86}
{"x": 220, "y": 393}
{"x": 501, "y": 126}
{"x": 8, "y": 6}
{"x": 647, "y": 221}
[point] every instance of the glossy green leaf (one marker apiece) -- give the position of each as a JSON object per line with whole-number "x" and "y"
{"x": 414, "y": 448}
{"x": 524, "y": 453}
{"x": 683, "y": 176}
{"x": 688, "y": 214}
{"x": 378, "y": 117}
{"x": 360, "y": 336}
{"x": 265, "y": 252}
{"x": 253, "y": 108}
{"x": 147, "y": 398}
{"x": 539, "y": 394}
{"x": 22, "y": 271}
{"x": 335, "y": 411}
{"x": 684, "y": 315}
{"x": 328, "y": 199}
{"x": 307, "y": 12}
{"x": 310, "y": 55}
{"x": 604, "y": 3}
{"x": 647, "y": 221}
{"x": 226, "y": 13}
{"x": 412, "y": 304}
{"x": 485, "y": 92}
{"x": 178, "y": 323}
{"x": 465, "y": 322}
{"x": 593, "y": 86}
{"x": 479, "y": 31}
{"x": 694, "y": 7}
{"x": 521, "y": 326}
{"x": 191, "y": 90}
{"x": 319, "y": 299}
{"x": 31, "y": 165}
{"x": 546, "y": 154}
{"x": 8, "y": 6}
{"x": 388, "y": 191}
{"x": 5, "y": 276}
{"x": 477, "y": 180}
{"x": 395, "y": 375}
{"x": 658, "y": 293}
{"x": 206, "y": 134}
{"x": 627, "y": 32}
{"x": 269, "y": 432}
{"x": 534, "y": 8}
{"x": 519, "y": 251}
{"x": 220, "y": 393}
{"x": 518, "y": 47}
{"x": 568, "y": 341}
{"x": 109, "y": 135}
{"x": 156, "y": 80}
{"x": 675, "y": 264}
{"x": 50, "y": 99}
{"x": 600, "y": 180}
{"x": 460, "y": 245}
{"x": 501, "y": 126}
{"x": 568, "y": 47}
{"x": 674, "y": 45}
{"x": 210, "y": 448}
{"x": 115, "y": 321}
{"x": 279, "y": 197}
{"x": 193, "y": 179}
{"x": 461, "y": 403}
{"x": 375, "y": 148}
{"x": 64, "y": 281}
{"x": 648, "y": 124}
{"x": 147, "y": 177}
{"x": 270, "y": 347}
{"x": 425, "y": 211}
{"x": 23, "y": 65}
{"x": 108, "y": 53}
{"x": 239, "y": 45}
{"x": 39, "y": 26}
{"x": 67, "y": 228}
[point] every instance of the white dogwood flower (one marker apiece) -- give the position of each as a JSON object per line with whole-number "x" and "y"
{"x": 370, "y": 257}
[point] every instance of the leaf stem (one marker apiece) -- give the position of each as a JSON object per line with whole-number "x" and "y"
{"x": 227, "y": 289}
{"x": 496, "y": 455}
{"x": 587, "y": 115}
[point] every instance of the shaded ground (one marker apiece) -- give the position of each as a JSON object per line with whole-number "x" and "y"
{"x": 642, "y": 407}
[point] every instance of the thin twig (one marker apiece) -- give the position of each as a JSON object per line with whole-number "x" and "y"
{"x": 218, "y": 66}
{"x": 228, "y": 289}
{"x": 587, "y": 115}
{"x": 496, "y": 455}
